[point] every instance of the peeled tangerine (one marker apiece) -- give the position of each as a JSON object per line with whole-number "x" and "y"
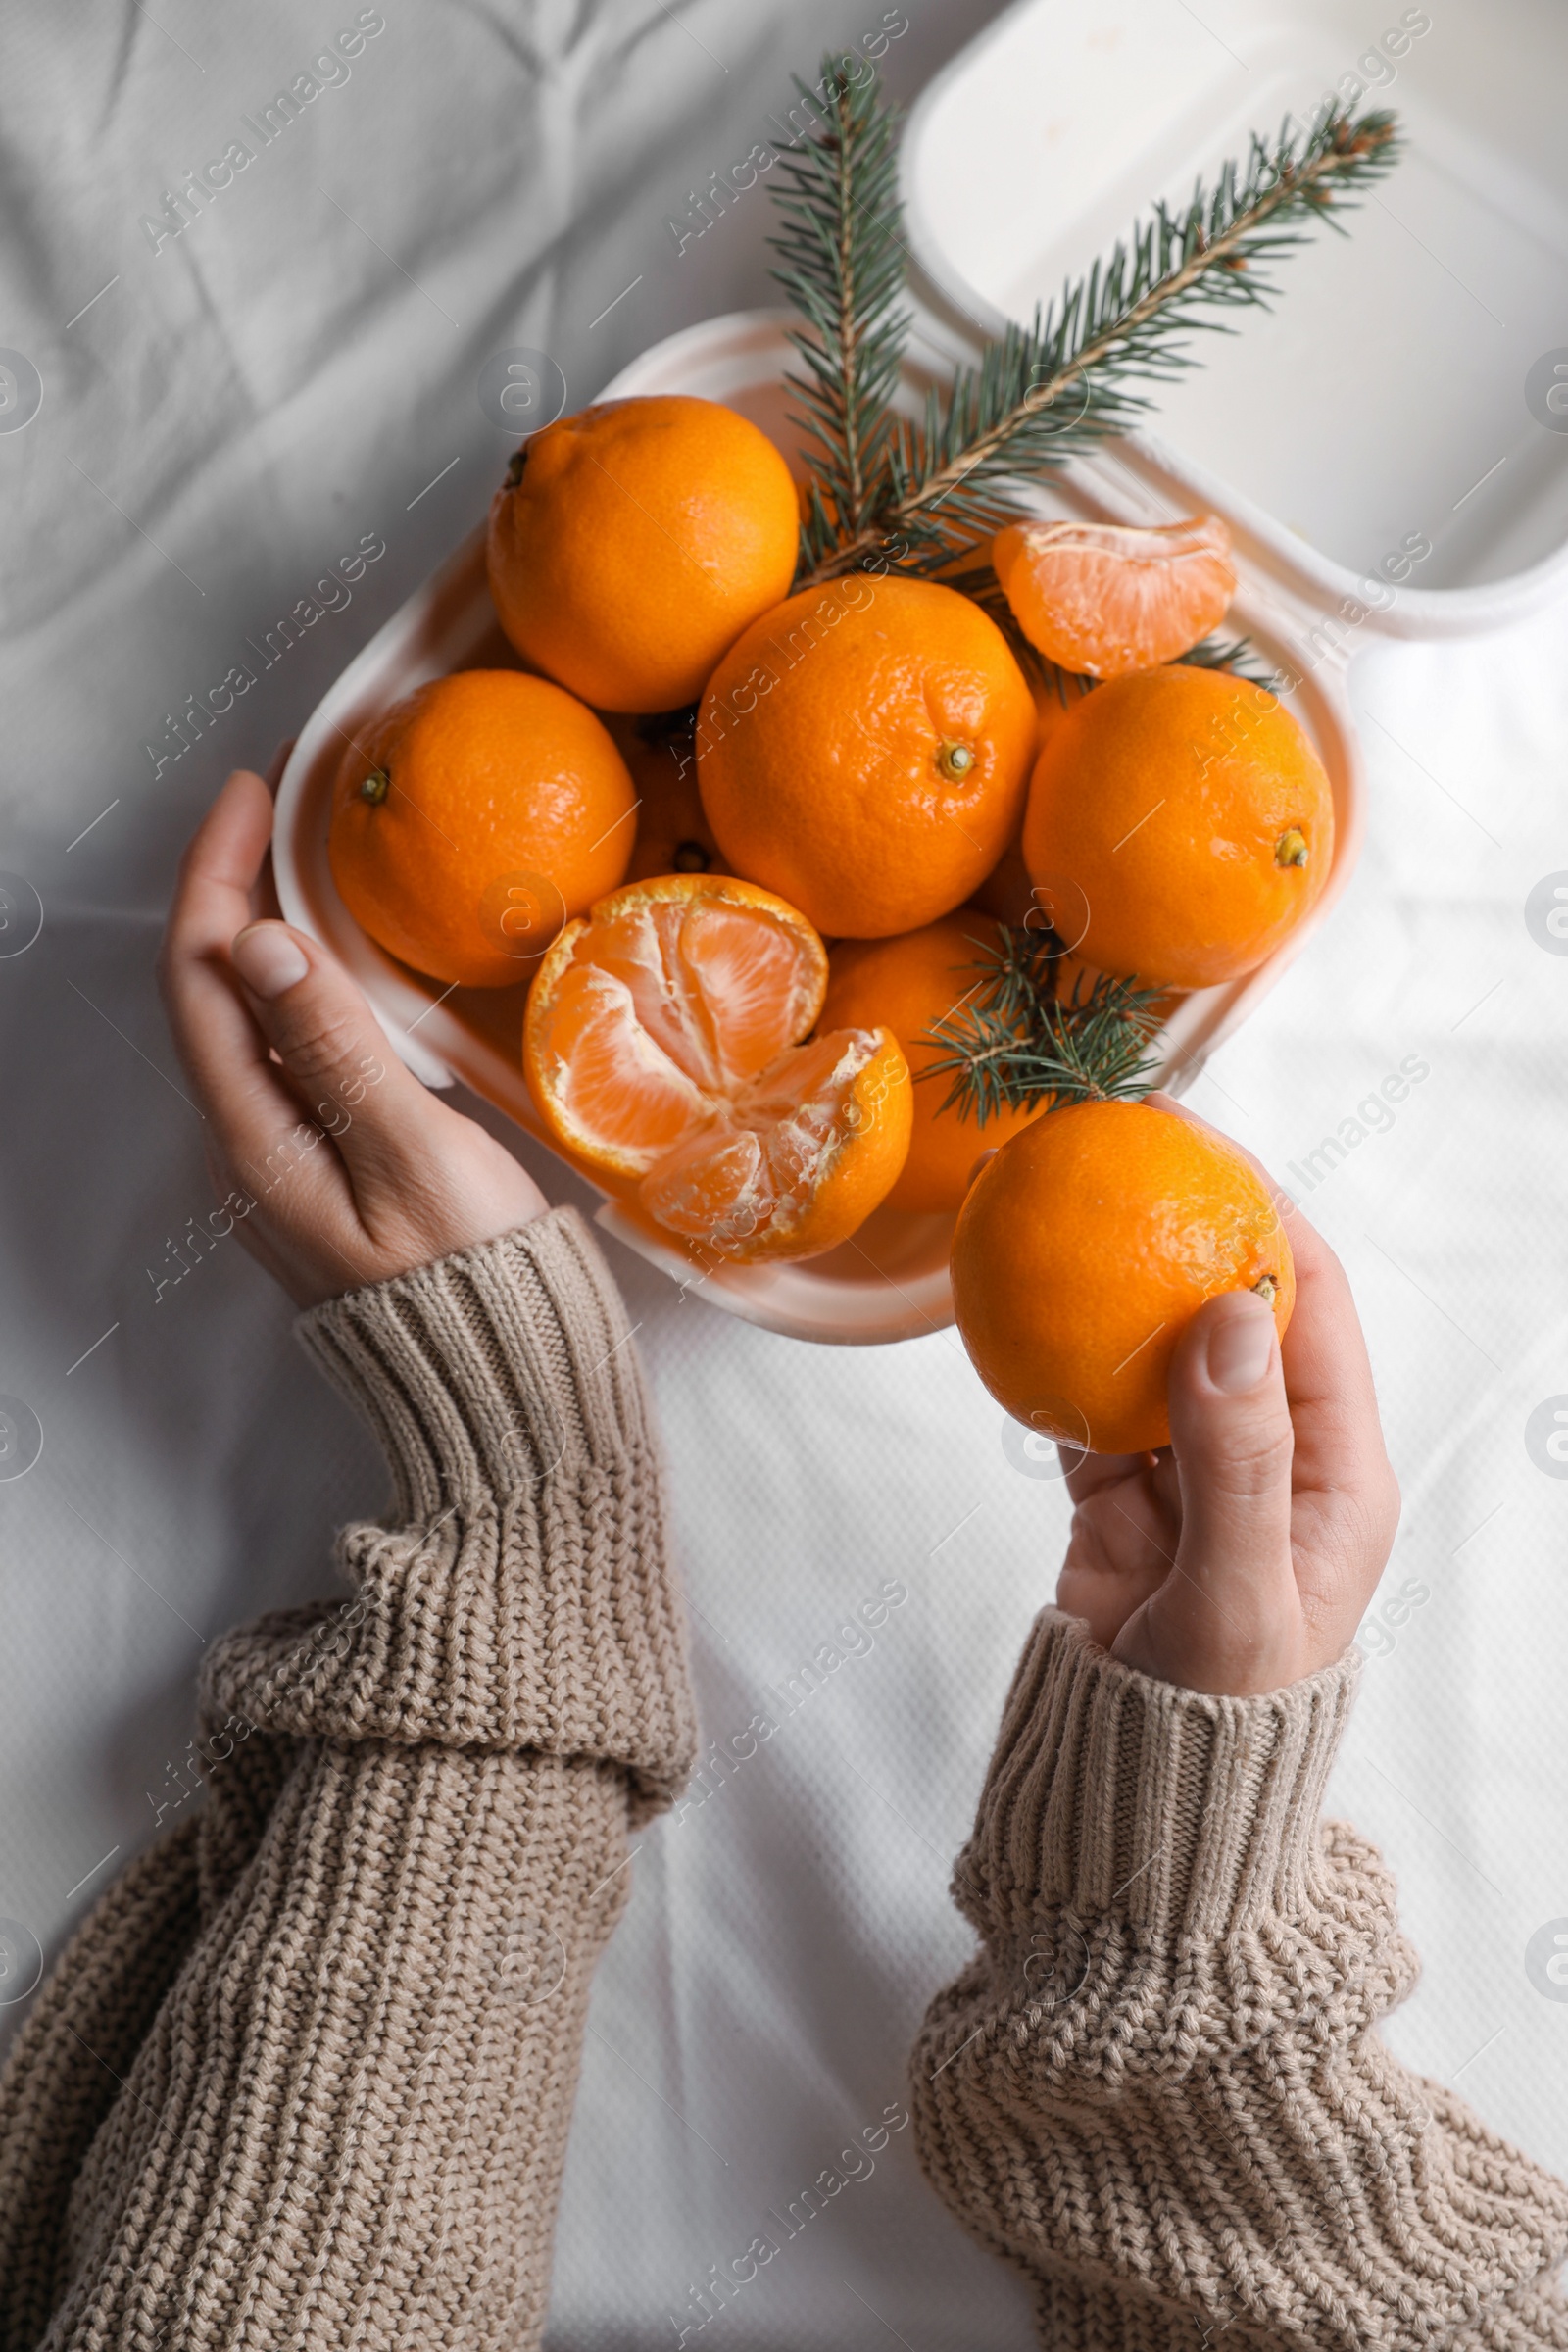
{"x": 1185, "y": 819}
{"x": 663, "y": 1049}
{"x": 1084, "y": 1249}
{"x": 1103, "y": 598}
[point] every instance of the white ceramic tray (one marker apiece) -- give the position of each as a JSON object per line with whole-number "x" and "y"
{"x": 890, "y": 1281}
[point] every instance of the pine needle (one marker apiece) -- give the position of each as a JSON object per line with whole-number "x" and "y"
{"x": 1015, "y": 1044}
{"x": 1234, "y": 653}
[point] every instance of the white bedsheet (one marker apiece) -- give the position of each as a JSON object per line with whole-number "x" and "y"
{"x": 229, "y": 414}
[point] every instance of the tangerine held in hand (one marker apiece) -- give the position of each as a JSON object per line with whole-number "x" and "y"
{"x": 632, "y": 543}
{"x": 1084, "y": 1249}
{"x": 473, "y": 818}
{"x": 863, "y": 749}
{"x": 1189, "y": 820}
{"x": 908, "y": 984}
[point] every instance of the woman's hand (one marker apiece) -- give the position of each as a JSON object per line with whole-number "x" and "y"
{"x": 1243, "y": 1556}
{"x": 336, "y": 1166}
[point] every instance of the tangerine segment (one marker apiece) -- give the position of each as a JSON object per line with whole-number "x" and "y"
{"x": 1084, "y": 1249}
{"x": 1103, "y": 598}
{"x": 801, "y": 1156}
{"x": 663, "y": 1047}
{"x": 1188, "y": 821}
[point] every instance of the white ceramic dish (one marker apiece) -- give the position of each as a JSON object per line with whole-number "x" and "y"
{"x": 890, "y": 1281}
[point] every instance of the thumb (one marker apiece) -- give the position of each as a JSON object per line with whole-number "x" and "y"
{"x": 1231, "y": 1427}
{"x": 1232, "y": 1595}
{"x": 332, "y": 1047}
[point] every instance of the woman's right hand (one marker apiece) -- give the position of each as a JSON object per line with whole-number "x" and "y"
{"x": 1243, "y": 1556}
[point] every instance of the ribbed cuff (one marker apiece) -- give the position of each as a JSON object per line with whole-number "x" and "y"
{"x": 487, "y": 1370}
{"x": 1183, "y": 1815}
{"x": 518, "y": 1594}
{"x": 1077, "y": 2313}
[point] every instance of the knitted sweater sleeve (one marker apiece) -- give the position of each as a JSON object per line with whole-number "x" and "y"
{"x": 1158, "y": 2089}
{"x": 303, "y": 2080}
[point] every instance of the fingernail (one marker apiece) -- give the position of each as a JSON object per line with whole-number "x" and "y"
{"x": 1241, "y": 1345}
{"x": 266, "y": 959}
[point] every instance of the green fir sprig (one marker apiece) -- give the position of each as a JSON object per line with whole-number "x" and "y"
{"x": 1234, "y": 653}
{"x": 932, "y": 489}
{"x": 1014, "y": 1044}
{"x": 843, "y": 269}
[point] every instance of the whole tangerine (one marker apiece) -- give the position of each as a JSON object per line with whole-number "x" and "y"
{"x": 908, "y": 984}
{"x": 632, "y": 543}
{"x": 1084, "y": 1249}
{"x": 673, "y": 835}
{"x": 1188, "y": 818}
{"x": 474, "y": 819}
{"x": 863, "y": 749}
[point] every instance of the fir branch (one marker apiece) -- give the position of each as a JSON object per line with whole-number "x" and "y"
{"x": 1040, "y": 394}
{"x": 843, "y": 269}
{"x": 1014, "y": 1044}
{"x": 1238, "y": 654}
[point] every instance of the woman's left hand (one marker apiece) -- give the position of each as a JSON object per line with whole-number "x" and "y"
{"x": 337, "y": 1167}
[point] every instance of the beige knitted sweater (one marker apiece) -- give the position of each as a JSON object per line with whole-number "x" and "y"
{"x": 302, "y": 2082}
